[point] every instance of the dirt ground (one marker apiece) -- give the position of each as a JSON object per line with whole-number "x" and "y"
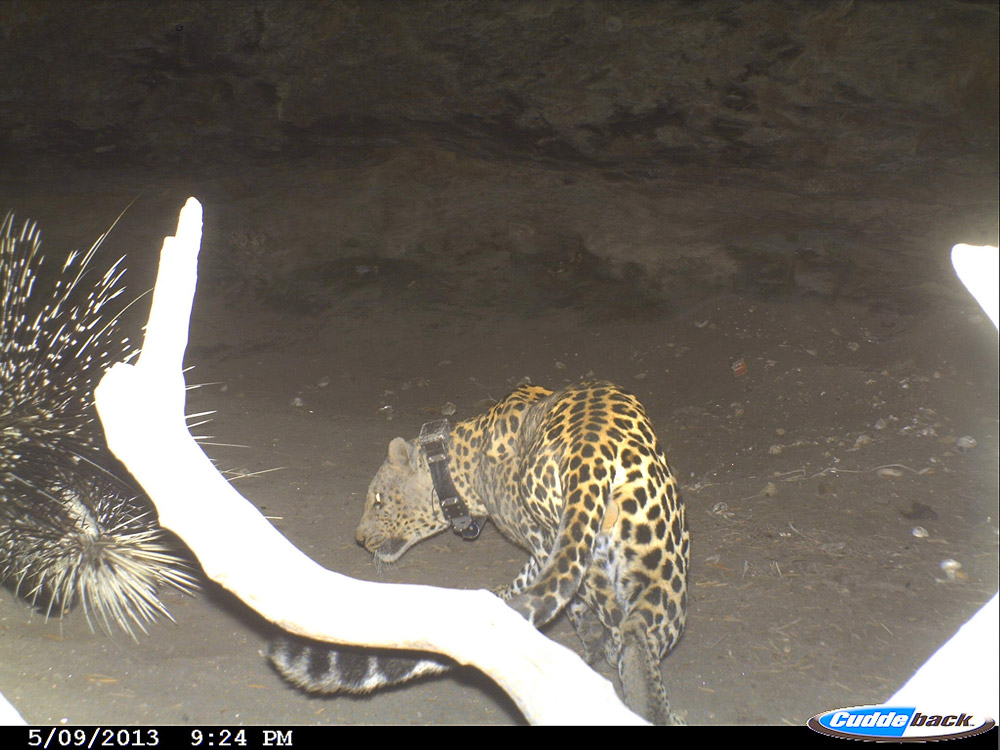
{"x": 825, "y": 486}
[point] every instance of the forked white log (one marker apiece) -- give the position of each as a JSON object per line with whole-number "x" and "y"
{"x": 142, "y": 409}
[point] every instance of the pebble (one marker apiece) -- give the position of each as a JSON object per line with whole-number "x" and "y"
{"x": 951, "y": 569}
{"x": 965, "y": 443}
{"x": 920, "y": 532}
{"x": 448, "y": 409}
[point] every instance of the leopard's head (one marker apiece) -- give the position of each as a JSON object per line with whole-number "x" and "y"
{"x": 401, "y": 508}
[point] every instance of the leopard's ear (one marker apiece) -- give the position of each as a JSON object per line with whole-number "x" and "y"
{"x": 399, "y": 451}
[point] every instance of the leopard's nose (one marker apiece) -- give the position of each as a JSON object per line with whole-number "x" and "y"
{"x": 359, "y": 536}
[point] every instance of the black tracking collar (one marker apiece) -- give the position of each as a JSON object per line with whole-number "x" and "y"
{"x": 434, "y": 441}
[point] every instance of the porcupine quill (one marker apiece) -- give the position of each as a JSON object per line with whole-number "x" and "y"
{"x": 74, "y": 530}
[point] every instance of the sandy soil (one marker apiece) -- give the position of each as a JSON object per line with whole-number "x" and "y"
{"x": 806, "y": 479}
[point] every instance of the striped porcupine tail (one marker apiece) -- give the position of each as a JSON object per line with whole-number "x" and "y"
{"x": 87, "y": 539}
{"x": 324, "y": 668}
{"x": 74, "y": 530}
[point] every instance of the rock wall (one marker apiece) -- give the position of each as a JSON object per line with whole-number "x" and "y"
{"x": 675, "y": 83}
{"x": 551, "y": 129}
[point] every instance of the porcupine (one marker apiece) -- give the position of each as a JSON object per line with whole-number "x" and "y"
{"x": 74, "y": 530}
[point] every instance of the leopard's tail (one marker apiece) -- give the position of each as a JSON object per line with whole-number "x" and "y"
{"x": 322, "y": 668}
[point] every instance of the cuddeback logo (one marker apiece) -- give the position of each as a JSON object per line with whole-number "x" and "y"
{"x": 896, "y": 723}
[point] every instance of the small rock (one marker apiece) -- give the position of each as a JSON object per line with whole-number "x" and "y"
{"x": 775, "y": 449}
{"x": 298, "y": 402}
{"x": 323, "y": 382}
{"x": 920, "y": 532}
{"x": 952, "y": 569}
{"x": 853, "y": 345}
{"x": 448, "y": 409}
{"x": 863, "y": 439}
{"x": 965, "y": 444}
{"x": 560, "y": 365}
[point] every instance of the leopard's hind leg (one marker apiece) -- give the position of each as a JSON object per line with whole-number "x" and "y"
{"x": 634, "y": 647}
{"x": 582, "y": 496}
{"x": 649, "y": 565}
{"x": 589, "y": 628}
{"x": 642, "y": 683}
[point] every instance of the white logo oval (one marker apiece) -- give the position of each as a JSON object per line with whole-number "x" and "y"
{"x": 898, "y": 723}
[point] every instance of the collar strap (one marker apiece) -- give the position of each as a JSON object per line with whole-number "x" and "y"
{"x": 434, "y": 442}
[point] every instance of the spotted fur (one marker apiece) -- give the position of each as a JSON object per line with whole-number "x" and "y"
{"x": 577, "y": 478}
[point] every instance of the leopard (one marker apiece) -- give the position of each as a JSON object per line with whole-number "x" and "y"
{"x": 577, "y": 478}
